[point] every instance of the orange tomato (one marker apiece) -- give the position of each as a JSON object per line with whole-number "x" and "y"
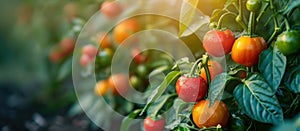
{"x": 118, "y": 81}
{"x": 104, "y": 40}
{"x": 214, "y": 68}
{"x": 124, "y": 29}
{"x": 101, "y": 88}
{"x": 205, "y": 116}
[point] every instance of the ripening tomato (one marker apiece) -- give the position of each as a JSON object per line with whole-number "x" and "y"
{"x": 67, "y": 44}
{"x": 111, "y": 9}
{"x": 214, "y": 67}
{"x": 205, "y": 116}
{"x": 246, "y": 50}
{"x": 154, "y": 125}
{"x": 104, "y": 40}
{"x": 85, "y": 60}
{"x": 124, "y": 29}
{"x": 119, "y": 84}
{"x": 191, "y": 89}
{"x": 90, "y": 50}
{"x": 218, "y": 43}
{"x": 101, "y": 87}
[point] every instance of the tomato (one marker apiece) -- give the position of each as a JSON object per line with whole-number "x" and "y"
{"x": 118, "y": 83}
{"x": 246, "y": 50}
{"x": 56, "y": 54}
{"x": 135, "y": 82}
{"x": 218, "y": 43}
{"x": 142, "y": 70}
{"x": 253, "y": 5}
{"x": 90, "y": 50}
{"x": 191, "y": 89}
{"x": 111, "y": 9}
{"x": 104, "y": 40}
{"x": 205, "y": 116}
{"x": 67, "y": 44}
{"x": 103, "y": 58}
{"x": 288, "y": 42}
{"x": 214, "y": 68}
{"x": 101, "y": 88}
{"x": 208, "y": 6}
{"x": 124, "y": 29}
{"x": 85, "y": 60}
{"x": 154, "y": 125}
{"x": 137, "y": 56}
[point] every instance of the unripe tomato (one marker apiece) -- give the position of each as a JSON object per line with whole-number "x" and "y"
{"x": 205, "y": 116}
{"x": 111, "y": 9}
{"x": 103, "y": 59}
{"x": 288, "y": 42}
{"x": 104, "y": 40}
{"x": 191, "y": 89}
{"x": 135, "y": 82}
{"x": 218, "y": 43}
{"x": 101, "y": 88}
{"x": 214, "y": 68}
{"x": 124, "y": 29}
{"x": 90, "y": 50}
{"x": 142, "y": 70}
{"x": 253, "y": 5}
{"x": 154, "y": 125}
{"x": 246, "y": 50}
{"x": 118, "y": 81}
{"x": 208, "y": 6}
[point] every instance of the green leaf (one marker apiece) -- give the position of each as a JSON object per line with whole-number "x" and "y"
{"x": 258, "y": 100}
{"x": 295, "y": 84}
{"x": 156, "y": 106}
{"x": 161, "y": 88}
{"x": 291, "y": 6}
{"x": 126, "y": 121}
{"x": 177, "y": 112}
{"x": 191, "y": 19}
{"x": 272, "y": 65}
{"x": 217, "y": 87}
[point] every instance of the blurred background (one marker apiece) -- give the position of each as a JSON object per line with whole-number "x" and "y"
{"x": 36, "y": 89}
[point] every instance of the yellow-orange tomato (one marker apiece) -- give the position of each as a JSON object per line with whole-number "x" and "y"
{"x": 101, "y": 88}
{"x": 214, "y": 68}
{"x": 205, "y": 116}
{"x": 104, "y": 40}
{"x": 125, "y": 29}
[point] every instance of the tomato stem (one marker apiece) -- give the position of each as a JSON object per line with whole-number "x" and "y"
{"x": 222, "y": 17}
{"x": 240, "y": 17}
{"x": 262, "y": 12}
{"x": 287, "y": 25}
{"x": 205, "y": 65}
{"x": 194, "y": 67}
{"x": 251, "y": 24}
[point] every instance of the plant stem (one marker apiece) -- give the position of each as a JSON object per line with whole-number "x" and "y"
{"x": 262, "y": 12}
{"x": 251, "y": 24}
{"x": 193, "y": 70}
{"x": 287, "y": 25}
{"x": 205, "y": 65}
{"x": 222, "y": 17}
{"x": 240, "y": 17}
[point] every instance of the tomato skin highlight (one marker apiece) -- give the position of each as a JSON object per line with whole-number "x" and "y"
{"x": 205, "y": 116}
{"x": 111, "y": 9}
{"x": 154, "y": 125}
{"x": 191, "y": 89}
{"x": 218, "y": 43}
{"x": 288, "y": 42}
{"x": 246, "y": 50}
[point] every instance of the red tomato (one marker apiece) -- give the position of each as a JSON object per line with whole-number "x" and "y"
{"x": 246, "y": 50}
{"x": 191, "y": 89}
{"x": 111, "y": 9}
{"x": 85, "y": 60}
{"x": 154, "y": 125}
{"x": 90, "y": 50}
{"x": 218, "y": 43}
{"x": 67, "y": 45}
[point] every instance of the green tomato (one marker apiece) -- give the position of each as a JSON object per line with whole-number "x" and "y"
{"x": 288, "y": 42}
{"x": 253, "y": 5}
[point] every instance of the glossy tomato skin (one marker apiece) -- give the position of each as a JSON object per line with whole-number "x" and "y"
{"x": 154, "y": 125}
{"x": 246, "y": 50}
{"x": 205, "y": 116}
{"x": 288, "y": 42}
{"x": 214, "y": 67}
{"x": 124, "y": 29}
{"x": 218, "y": 43}
{"x": 111, "y": 9}
{"x": 191, "y": 89}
